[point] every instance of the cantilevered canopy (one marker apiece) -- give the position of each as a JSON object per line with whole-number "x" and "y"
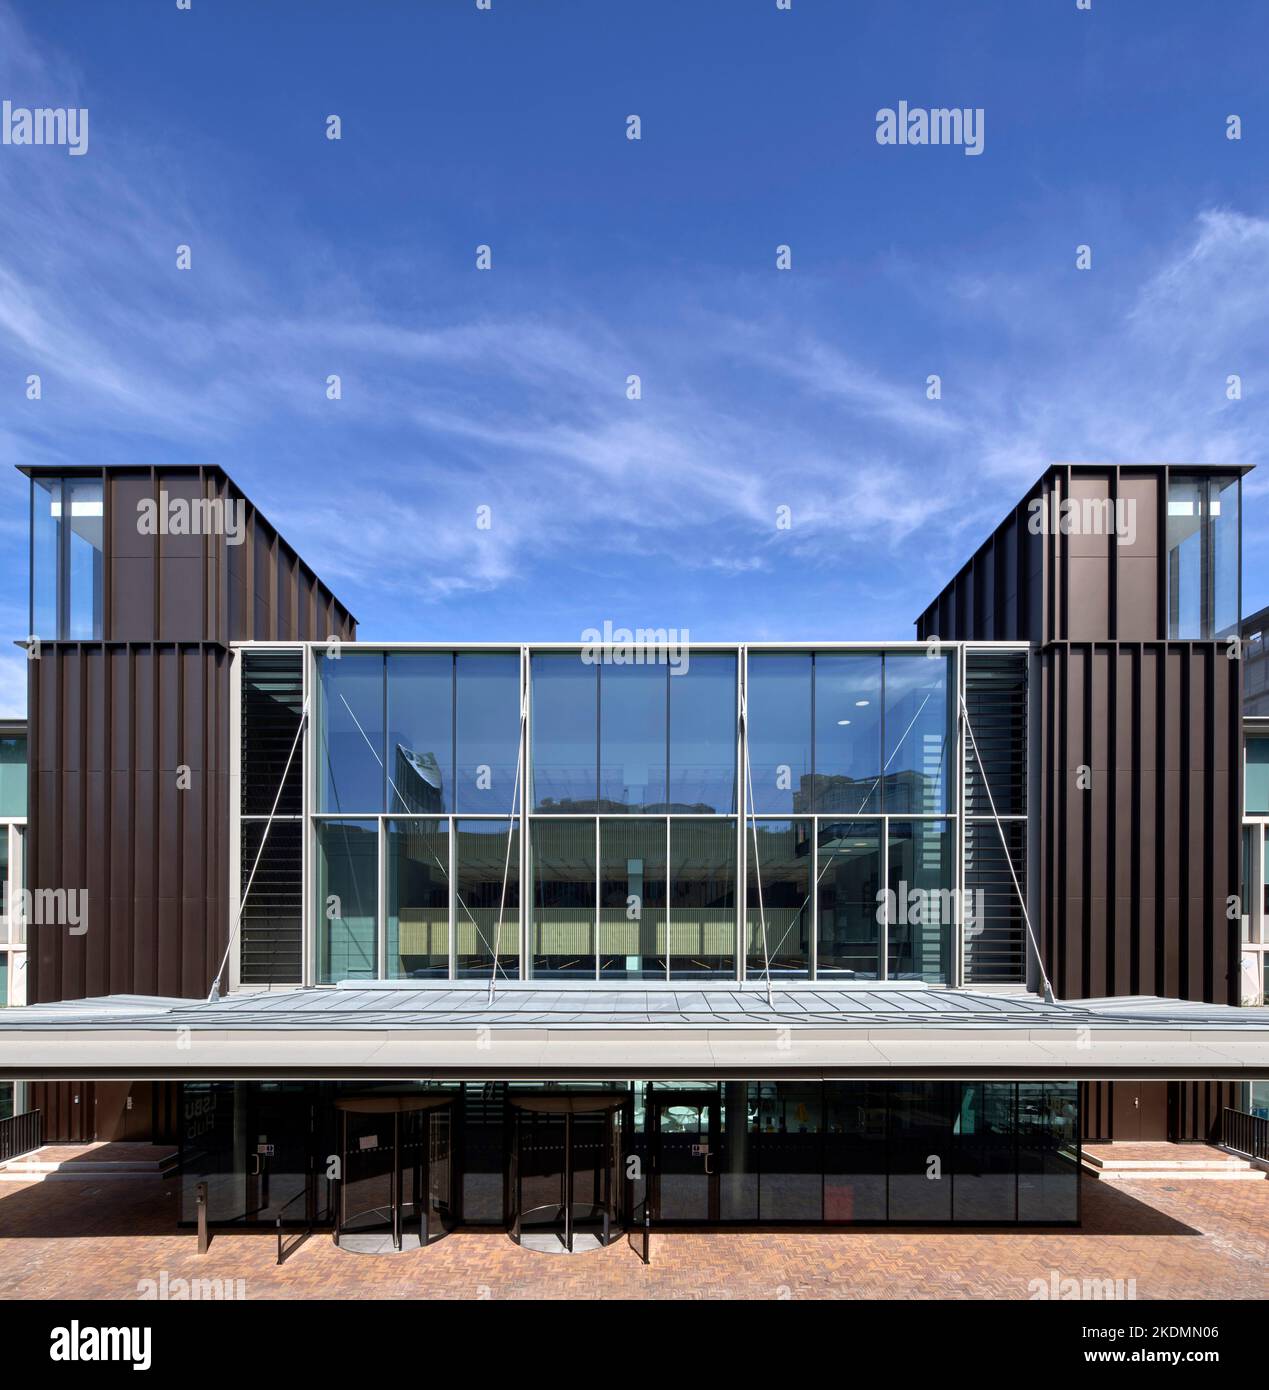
{"x": 532, "y": 1030}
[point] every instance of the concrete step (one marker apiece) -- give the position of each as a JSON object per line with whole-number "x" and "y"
{"x": 39, "y": 1167}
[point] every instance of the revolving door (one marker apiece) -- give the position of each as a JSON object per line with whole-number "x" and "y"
{"x": 566, "y": 1171}
{"x": 394, "y": 1170}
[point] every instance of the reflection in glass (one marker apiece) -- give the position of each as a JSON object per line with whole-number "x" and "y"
{"x": 632, "y": 737}
{"x": 1048, "y": 1151}
{"x": 350, "y": 733}
{"x": 791, "y": 1150}
{"x": 1203, "y": 558}
{"x": 347, "y": 900}
{"x": 921, "y": 902}
{"x": 850, "y": 884}
{"x": 46, "y": 553}
{"x": 563, "y": 719}
{"x": 918, "y": 732}
{"x": 418, "y": 899}
{"x": 780, "y": 894}
{"x": 848, "y": 731}
{"x": 632, "y": 918}
{"x": 702, "y": 897}
{"x": 420, "y": 731}
{"x": 985, "y": 1180}
{"x": 487, "y": 729}
{"x": 703, "y": 735}
{"x": 921, "y": 1114}
{"x": 779, "y": 710}
{"x": 855, "y": 1151}
{"x": 481, "y": 861}
{"x": 563, "y": 888}
{"x": 82, "y": 498}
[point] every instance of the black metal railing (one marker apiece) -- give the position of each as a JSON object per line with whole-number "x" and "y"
{"x": 1245, "y": 1134}
{"x": 19, "y": 1134}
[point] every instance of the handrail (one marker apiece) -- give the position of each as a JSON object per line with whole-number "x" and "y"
{"x": 20, "y": 1134}
{"x": 1245, "y": 1133}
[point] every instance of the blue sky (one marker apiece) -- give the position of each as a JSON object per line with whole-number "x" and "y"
{"x": 507, "y": 388}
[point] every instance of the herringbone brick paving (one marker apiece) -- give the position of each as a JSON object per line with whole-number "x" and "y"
{"x": 1194, "y": 1240}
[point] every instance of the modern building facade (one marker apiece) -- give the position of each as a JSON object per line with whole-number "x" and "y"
{"x": 581, "y": 936}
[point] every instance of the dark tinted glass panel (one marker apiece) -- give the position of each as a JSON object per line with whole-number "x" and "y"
{"x": 850, "y": 886}
{"x": 13, "y": 775}
{"x": 420, "y": 732}
{"x": 1048, "y": 1147}
{"x": 790, "y": 1120}
{"x": 488, "y": 731}
{"x": 564, "y": 721}
{"x": 985, "y": 1182}
{"x": 780, "y": 869}
{"x": 46, "y": 533}
{"x": 632, "y": 917}
{"x": 848, "y": 731}
{"x": 632, "y": 737}
{"x": 350, "y": 733}
{"x": 271, "y": 930}
{"x": 418, "y": 899}
{"x": 348, "y": 897}
{"x": 82, "y": 499}
{"x": 487, "y": 909}
{"x": 855, "y": 1151}
{"x": 921, "y": 1115}
{"x": 922, "y": 906}
{"x": 738, "y": 1159}
{"x": 779, "y": 709}
{"x": 484, "y": 1153}
{"x": 562, "y": 929}
{"x": 918, "y": 732}
{"x": 703, "y": 734}
{"x": 272, "y": 703}
{"x": 702, "y": 897}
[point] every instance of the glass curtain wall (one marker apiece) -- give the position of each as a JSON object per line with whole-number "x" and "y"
{"x": 1204, "y": 594}
{"x": 863, "y": 886}
{"x": 417, "y": 758}
{"x": 632, "y": 863}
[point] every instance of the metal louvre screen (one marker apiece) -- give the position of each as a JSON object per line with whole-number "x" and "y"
{"x": 994, "y": 932}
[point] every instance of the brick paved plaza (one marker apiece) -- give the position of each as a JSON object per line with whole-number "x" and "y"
{"x": 1189, "y": 1239}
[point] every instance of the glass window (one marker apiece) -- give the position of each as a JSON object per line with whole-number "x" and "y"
{"x": 985, "y": 1180}
{"x": 779, "y": 709}
{"x": 633, "y": 713}
{"x": 1203, "y": 557}
{"x": 738, "y": 1161}
{"x": 779, "y": 893}
{"x": 702, "y": 897}
{"x": 4, "y": 979}
{"x": 1257, "y": 782}
{"x": 703, "y": 735}
{"x": 564, "y": 714}
{"x": 67, "y": 523}
{"x": 82, "y": 497}
{"x": 563, "y": 887}
{"x": 848, "y": 731}
{"x": 850, "y": 894}
{"x": 921, "y": 902}
{"x": 855, "y": 1151}
{"x": 488, "y": 731}
{"x": 418, "y": 899}
{"x": 918, "y": 732}
{"x": 420, "y": 732}
{"x": 1048, "y": 1149}
{"x": 790, "y": 1118}
{"x": 632, "y": 917}
{"x": 348, "y": 900}
{"x": 921, "y": 1114}
{"x": 4, "y": 883}
{"x": 13, "y": 775}
{"x": 483, "y": 858}
{"x": 46, "y": 555}
{"x": 351, "y": 733}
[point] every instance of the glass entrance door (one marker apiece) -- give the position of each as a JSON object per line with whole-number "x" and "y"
{"x": 278, "y": 1120}
{"x": 685, "y": 1157}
